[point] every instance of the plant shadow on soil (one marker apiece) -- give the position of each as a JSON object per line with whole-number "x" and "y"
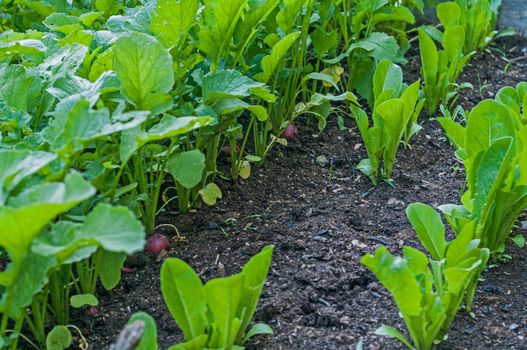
{"x": 322, "y": 221}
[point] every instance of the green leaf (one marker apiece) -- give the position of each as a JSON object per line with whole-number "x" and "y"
{"x": 144, "y": 67}
{"x": 396, "y": 13}
{"x": 114, "y": 229}
{"x": 25, "y": 215}
{"x": 379, "y": 46}
{"x": 387, "y": 81}
{"x": 149, "y": 338}
{"x": 63, "y": 23}
{"x": 184, "y": 295}
{"x": 59, "y": 338}
{"x": 519, "y": 240}
{"x": 323, "y": 42}
{"x": 258, "y": 329}
{"x": 17, "y": 165}
{"x": 429, "y": 227}
{"x": 288, "y": 14}
{"x": 388, "y": 331}
{"x": 108, "y": 7}
{"x": 136, "y": 19}
{"x": 80, "y": 300}
{"x": 271, "y": 62}
{"x": 210, "y": 193}
{"x": 462, "y": 245}
{"x": 132, "y": 140}
{"x": 393, "y": 127}
{"x": 19, "y": 87}
{"x": 490, "y": 174}
{"x": 395, "y": 274}
{"x": 102, "y": 63}
{"x": 449, "y": 13}
{"x": 459, "y": 277}
{"x": 172, "y": 20}
{"x": 111, "y": 275}
{"x": 255, "y": 274}
{"x": 489, "y": 121}
{"x": 88, "y": 18}
{"x": 255, "y": 14}
{"x": 454, "y": 131}
{"x": 76, "y": 124}
{"x": 198, "y": 343}
{"x": 224, "y": 296}
{"x": 219, "y": 19}
{"x": 187, "y": 167}
{"x": 323, "y": 77}
{"x": 227, "y": 84}
{"x": 260, "y": 112}
{"x": 433, "y": 80}
{"x": 29, "y": 48}
{"x": 26, "y": 277}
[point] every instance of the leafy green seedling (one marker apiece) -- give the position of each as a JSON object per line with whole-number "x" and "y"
{"x": 215, "y": 315}
{"x": 395, "y": 113}
{"x": 429, "y": 291}
{"x": 441, "y": 68}
{"x": 493, "y": 148}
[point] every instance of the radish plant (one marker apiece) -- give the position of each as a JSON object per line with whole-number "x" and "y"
{"x": 42, "y": 253}
{"x": 370, "y": 31}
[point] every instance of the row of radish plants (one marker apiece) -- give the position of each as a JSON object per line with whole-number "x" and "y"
{"x": 113, "y": 111}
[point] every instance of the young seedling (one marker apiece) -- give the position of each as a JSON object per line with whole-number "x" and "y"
{"x": 429, "y": 290}
{"x": 394, "y": 115}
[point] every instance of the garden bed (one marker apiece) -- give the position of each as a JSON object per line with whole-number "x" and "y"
{"x": 323, "y": 218}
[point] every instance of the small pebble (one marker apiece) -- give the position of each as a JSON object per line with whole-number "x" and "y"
{"x": 322, "y": 161}
{"x": 345, "y": 320}
{"x": 320, "y": 239}
{"x": 514, "y": 326}
{"x": 470, "y": 330}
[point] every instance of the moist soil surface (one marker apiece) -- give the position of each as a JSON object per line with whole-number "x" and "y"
{"x": 323, "y": 216}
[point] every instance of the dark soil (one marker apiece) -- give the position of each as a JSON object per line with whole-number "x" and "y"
{"x": 322, "y": 220}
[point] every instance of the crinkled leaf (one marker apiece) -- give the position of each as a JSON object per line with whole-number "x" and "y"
{"x": 25, "y": 215}
{"x": 172, "y": 19}
{"x": 227, "y": 84}
{"x": 219, "y": 19}
{"x": 133, "y": 139}
{"x": 144, "y": 67}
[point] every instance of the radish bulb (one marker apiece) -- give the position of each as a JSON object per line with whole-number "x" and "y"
{"x": 290, "y": 133}
{"x": 157, "y": 243}
{"x": 226, "y": 150}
